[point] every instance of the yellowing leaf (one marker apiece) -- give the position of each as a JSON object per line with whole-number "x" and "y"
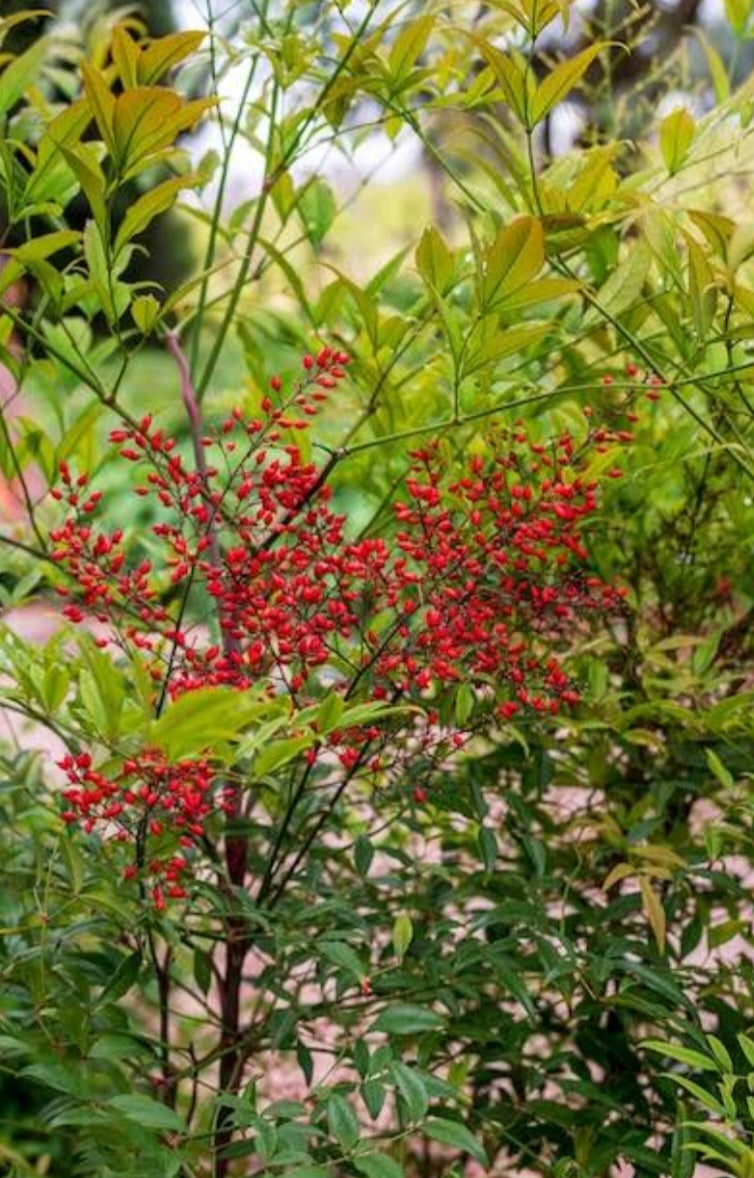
{"x": 662, "y": 855}
{"x": 169, "y": 51}
{"x": 515, "y": 257}
{"x": 619, "y": 872}
{"x": 561, "y": 80}
{"x": 653, "y": 910}
{"x": 676, "y": 134}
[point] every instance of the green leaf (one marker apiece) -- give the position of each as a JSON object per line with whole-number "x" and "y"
{"x": 515, "y": 257}
{"x": 623, "y": 288}
{"x": 281, "y": 752}
{"x": 723, "y": 775}
{"x": 434, "y": 261}
{"x": 200, "y": 719}
{"x": 363, "y": 854}
{"x": 455, "y": 1134}
{"x": 407, "y": 1019}
{"x": 488, "y": 848}
{"x": 694, "y": 1059}
{"x": 122, "y": 980}
{"x": 374, "y": 1094}
{"x": 22, "y": 72}
{"x": 654, "y": 911}
{"x": 100, "y": 271}
{"x": 403, "y": 932}
{"x": 378, "y": 1165}
{"x": 412, "y": 1088}
{"x": 561, "y": 80}
{"x": 717, "y": 70}
{"x": 747, "y": 1046}
{"x": 318, "y": 208}
{"x": 85, "y": 166}
{"x": 202, "y": 965}
{"x": 464, "y": 703}
{"x": 342, "y": 1122}
{"x": 145, "y": 1111}
{"x": 330, "y": 712}
{"x": 344, "y": 956}
{"x": 676, "y": 135}
{"x": 701, "y": 1095}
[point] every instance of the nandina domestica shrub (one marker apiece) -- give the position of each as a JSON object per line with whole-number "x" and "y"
{"x": 389, "y": 828}
{"x": 475, "y": 593}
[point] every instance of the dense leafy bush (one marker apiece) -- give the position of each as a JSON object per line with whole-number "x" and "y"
{"x": 390, "y": 810}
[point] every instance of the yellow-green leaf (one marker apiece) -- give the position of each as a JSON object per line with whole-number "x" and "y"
{"x": 619, "y": 872}
{"x": 17, "y": 18}
{"x": 45, "y": 246}
{"x": 21, "y": 72}
{"x": 738, "y": 13}
{"x": 169, "y": 51}
{"x": 101, "y": 102}
{"x": 721, "y": 772}
{"x": 85, "y": 166}
{"x": 143, "y": 211}
{"x": 409, "y": 44}
{"x": 403, "y": 934}
{"x": 506, "y": 341}
{"x": 51, "y": 174}
{"x": 676, "y": 135}
{"x": 434, "y": 261}
{"x": 145, "y": 311}
{"x": 512, "y": 76}
{"x": 126, "y": 56}
{"x": 561, "y": 80}
{"x": 139, "y": 119}
{"x": 515, "y": 257}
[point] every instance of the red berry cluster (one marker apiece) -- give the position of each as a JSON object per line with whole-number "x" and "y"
{"x": 477, "y": 585}
{"x": 165, "y": 799}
